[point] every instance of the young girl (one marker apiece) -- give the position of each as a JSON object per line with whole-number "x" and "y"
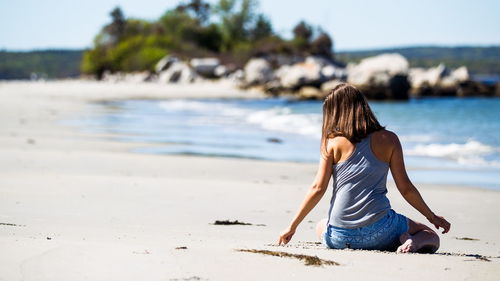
{"x": 358, "y": 153}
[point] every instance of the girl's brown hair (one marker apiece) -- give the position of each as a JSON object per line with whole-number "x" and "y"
{"x": 346, "y": 113}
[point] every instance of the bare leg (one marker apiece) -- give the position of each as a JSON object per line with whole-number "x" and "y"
{"x": 320, "y": 229}
{"x": 419, "y": 238}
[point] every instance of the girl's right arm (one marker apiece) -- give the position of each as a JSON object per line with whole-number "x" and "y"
{"x": 408, "y": 190}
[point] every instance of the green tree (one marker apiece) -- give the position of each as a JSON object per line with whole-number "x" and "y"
{"x": 303, "y": 31}
{"x": 302, "y": 35}
{"x": 235, "y": 21}
{"x": 117, "y": 26}
{"x": 196, "y": 8}
{"x": 263, "y": 28}
{"x": 187, "y": 30}
{"x": 322, "y": 46}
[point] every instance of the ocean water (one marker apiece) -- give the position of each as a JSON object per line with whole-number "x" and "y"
{"x": 445, "y": 140}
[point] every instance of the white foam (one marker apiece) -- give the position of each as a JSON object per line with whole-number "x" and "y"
{"x": 471, "y": 152}
{"x": 416, "y": 138}
{"x": 282, "y": 120}
{"x": 279, "y": 119}
{"x": 219, "y": 108}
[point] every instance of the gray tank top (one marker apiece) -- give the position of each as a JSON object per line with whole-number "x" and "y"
{"x": 359, "y": 189}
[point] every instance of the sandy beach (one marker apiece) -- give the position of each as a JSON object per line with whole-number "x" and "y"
{"x": 78, "y": 206}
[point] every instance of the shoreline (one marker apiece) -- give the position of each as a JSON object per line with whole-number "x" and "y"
{"x": 196, "y": 92}
{"x": 98, "y": 91}
{"x": 75, "y": 206}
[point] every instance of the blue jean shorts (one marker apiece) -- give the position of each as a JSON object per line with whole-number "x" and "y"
{"x": 381, "y": 235}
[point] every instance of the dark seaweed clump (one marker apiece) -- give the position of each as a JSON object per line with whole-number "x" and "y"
{"x": 308, "y": 260}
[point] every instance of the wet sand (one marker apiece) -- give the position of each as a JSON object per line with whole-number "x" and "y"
{"x": 77, "y": 206}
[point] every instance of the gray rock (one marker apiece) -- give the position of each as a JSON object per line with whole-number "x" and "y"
{"x": 178, "y": 72}
{"x": 420, "y": 77}
{"x": 308, "y": 93}
{"x": 381, "y": 77}
{"x": 377, "y": 70}
{"x": 455, "y": 77}
{"x": 461, "y": 74}
{"x": 258, "y": 71}
{"x": 312, "y": 71}
{"x": 329, "y": 85}
{"x": 221, "y": 71}
{"x": 330, "y": 72}
{"x": 205, "y": 66}
{"x": 165, "y": 63}
{"x": 299, "y": 74}
{"x": 237, "y": 76}
{"x": 321, "y": 61}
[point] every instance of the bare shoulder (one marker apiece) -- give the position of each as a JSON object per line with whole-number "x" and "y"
{"x": 383, "y": 143}
{"x": 340, "y": 148}
{"x": 385, "y": 137}
{"x": 338, "y": 142}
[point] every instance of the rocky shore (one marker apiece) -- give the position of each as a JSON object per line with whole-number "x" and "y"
{"x": 382, "y": 77}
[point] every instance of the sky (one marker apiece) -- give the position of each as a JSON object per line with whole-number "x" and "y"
{"x": 353, "y": 24}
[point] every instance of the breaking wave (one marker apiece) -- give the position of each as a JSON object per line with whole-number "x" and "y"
{"x": 471, "y": 152}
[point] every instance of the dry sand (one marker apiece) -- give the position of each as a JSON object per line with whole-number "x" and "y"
{"x": 77, "y": 206}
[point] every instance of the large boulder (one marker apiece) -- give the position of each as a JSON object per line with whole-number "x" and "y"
{"x": 178, "y": 72}
{"x": 330, "y": 85}
{"x": 165, "y": 63}
{"x": 205, "y": 67}
{"x": 258, "y": 71}
{"x": 381, "y": 77}
{"x": 221, "y": 71}
{"x": 455, "y": 77}
{"x": 441, "y": 81}
{"x": 377, "y": 70}
{"x": 321, "y": 61}
{"x": 310, "y": 93}
{"x": 312, "y": 71}
{"x": 431, "y": 77}
{"x": 299, "y": 74}
{"x": 330, "y": 72}
{"x": 461, "y": 74}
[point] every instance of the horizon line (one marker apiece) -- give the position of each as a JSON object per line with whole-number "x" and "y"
{"x": 347, "y": 50}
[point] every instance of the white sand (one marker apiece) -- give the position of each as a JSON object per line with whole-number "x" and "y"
{"x": 85, "y": 208}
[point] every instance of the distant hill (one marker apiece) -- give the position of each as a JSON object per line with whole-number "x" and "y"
{"x": 479, "y": 60}
{"x": 45, "y": 63}
{"x": 54, "y": 64}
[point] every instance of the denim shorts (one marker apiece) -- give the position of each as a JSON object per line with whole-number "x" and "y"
{"x": 381, "y": 235}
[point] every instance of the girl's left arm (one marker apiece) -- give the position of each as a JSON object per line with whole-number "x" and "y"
{"x": 313, "y": 196}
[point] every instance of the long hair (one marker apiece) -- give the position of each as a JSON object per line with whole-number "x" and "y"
{"x": 346, "y": 113}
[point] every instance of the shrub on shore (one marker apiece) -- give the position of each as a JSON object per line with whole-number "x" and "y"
{"x": 232, "y": 30}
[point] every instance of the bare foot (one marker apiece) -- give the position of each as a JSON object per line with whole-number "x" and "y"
{"x": 408, "y": 245}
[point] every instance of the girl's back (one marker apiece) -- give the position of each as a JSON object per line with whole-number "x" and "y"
{"x": 360, "y": 176}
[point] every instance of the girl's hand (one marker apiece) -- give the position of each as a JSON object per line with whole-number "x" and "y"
{"x": 286, "y": 236}
{"x": 439, "y": 221}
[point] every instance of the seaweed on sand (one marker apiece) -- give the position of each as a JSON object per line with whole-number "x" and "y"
{"x": 467, "y": 238}
{"x": 11, "y": 224}
{"x": 308, "y": 260}
{"x": 228, "y": 222}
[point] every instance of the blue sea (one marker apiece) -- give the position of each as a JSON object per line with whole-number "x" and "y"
{"x": 445, "y": 140}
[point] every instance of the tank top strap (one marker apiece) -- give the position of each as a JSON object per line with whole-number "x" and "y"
{"x": 364, "y": 145}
